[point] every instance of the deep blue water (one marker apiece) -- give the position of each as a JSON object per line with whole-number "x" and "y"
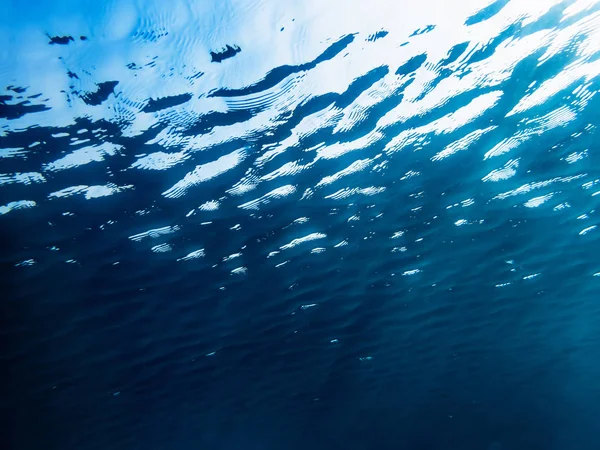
{"x": 260, "y": 225}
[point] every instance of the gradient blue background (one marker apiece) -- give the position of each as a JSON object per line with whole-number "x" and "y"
{"x": 447, "y": 295}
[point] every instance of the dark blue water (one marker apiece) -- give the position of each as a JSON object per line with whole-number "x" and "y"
{"x": 264, "y": 225}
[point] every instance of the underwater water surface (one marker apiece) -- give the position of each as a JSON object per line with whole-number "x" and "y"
{"x": 262, "y": 224}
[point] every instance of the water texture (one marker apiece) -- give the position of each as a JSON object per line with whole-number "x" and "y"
{"x": 321, "y": 224}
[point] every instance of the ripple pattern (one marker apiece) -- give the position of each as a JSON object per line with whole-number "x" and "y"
{"x": 332, "y": 224}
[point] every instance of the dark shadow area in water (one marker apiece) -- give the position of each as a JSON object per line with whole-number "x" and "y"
{"x": 228, "y": 52}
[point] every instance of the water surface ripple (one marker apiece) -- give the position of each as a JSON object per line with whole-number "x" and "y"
{"x": 272, "y": 224}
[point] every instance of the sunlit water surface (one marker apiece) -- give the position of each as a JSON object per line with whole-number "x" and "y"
{"x": 302, "y": 225}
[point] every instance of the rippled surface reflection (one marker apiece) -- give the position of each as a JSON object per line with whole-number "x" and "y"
{"x": 272, "y": 224}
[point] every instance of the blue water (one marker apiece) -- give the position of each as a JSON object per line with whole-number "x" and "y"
{"x": 305, "y": 225}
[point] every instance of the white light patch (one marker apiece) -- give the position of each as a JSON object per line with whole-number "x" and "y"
{"x": 12, "y": 152}
{"x": 193, "y": 255}
{"x": 162, "y": 248}
{"x": 577, "y": 7}
{"x": 90, "y": 192}
{"x": 211, "y": 205}
{"x": 204, "y": 173}
{"x": 461, "y": 144}
{"x": 83, "y": 156}
{"x": 412, "y": 272}
{"x": 275, "y": 194}
{"x": 160, "y": 160}
{"x": 524, "y": 189}
{"x": 590, "y": 184}
{"x": 338, "y": 149}
{"x": 27, "y": 262}
{"x": 154, "y": 233}
{"x": 298, "y": 241}
{"x": 508, "y": 171}
{"x": 232, "y": 256}
{"x": 273, "y": 150}
{"x": 447, "y": 124}
{"x": 246, "y": 184}
{"x": 308, "y": 306}
{"x": 355, "y": 167}
{"x": 288, "y": 169}
{"x": 561, "y": 206}
{"x": 12, "y": 206}
{"x": 506, "y": 145}
{"x": 553, "y": 86}
{"x": 349, "y": 192}
{"x": 466, "y": 114}
{"x": 22, "y": 178}
{"x": 560, "y": 117}
{"x": 537, "y": 201}
{"x": 587, "y": 230}
{"x": 576, "y": 156}
{"x": 410, "y": 174}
